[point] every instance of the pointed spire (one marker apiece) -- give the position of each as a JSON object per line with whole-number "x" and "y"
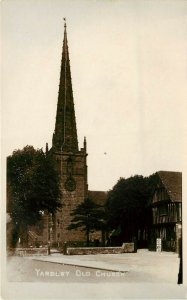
{"x": 65, "y": 135}
{"x": 46, "y": 148}
{"x": 85, "y": 146}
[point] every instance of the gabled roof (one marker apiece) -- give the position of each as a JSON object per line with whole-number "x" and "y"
{"x": 99, "y": 197}
{"x": 172, "y": 181}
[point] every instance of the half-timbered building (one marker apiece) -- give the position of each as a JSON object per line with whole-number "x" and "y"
{"x": 167, "y": 209}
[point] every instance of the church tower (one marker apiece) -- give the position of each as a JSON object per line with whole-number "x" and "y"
{"x": 71, "y": 162}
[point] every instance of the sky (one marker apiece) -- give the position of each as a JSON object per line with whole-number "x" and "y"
{"x": 129, "y": 74}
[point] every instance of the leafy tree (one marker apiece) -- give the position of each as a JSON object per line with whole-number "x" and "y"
{"x": 89, "y": 216}
{"x": 128, "y": 206}
{"x": 33, "y": 187}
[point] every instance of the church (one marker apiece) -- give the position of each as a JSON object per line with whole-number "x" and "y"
{"x": 71, "y": 164}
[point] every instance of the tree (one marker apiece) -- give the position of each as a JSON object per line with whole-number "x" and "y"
{"x": 33, "y": 187}
{"x": 128, "y": 206}
{"x": 89, "y": 216}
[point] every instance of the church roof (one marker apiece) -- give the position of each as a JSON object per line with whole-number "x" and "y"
{"x": 99, "y": 197}
{"x": 172, "y": 181}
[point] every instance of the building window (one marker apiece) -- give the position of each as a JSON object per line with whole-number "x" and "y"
{"x": 163, "y": 210}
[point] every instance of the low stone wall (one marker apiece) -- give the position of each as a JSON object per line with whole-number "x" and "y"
{"x": 126, "y": 248}
{"x": 28, "y": 251}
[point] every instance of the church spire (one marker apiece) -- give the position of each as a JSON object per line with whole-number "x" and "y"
{"x": 65, "y": 135}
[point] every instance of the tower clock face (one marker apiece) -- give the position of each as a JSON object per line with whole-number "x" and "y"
{"x": 70, "y": 184}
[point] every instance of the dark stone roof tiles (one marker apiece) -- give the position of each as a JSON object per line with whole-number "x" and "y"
{"x": 172, "y": 181}
{"x": 99, "y": 197}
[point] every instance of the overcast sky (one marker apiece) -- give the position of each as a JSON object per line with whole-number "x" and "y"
{"x": 129, "y": 74}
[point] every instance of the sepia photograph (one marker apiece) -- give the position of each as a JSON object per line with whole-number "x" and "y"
{"x": 93, "y": 149}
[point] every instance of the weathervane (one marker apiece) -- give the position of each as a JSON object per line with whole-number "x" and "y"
{"x": 64, "y": 22}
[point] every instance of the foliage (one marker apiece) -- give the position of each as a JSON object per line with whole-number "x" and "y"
{"x": 33, "y": 186}
{"x": 128, "y": 205}
{"x": 88, "y": 216}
